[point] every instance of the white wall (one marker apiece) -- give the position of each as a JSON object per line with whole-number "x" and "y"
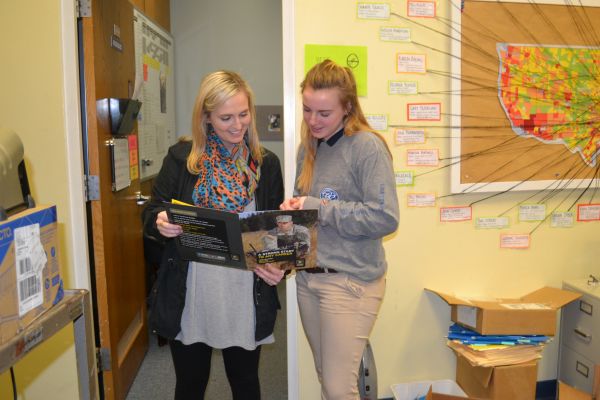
{"x": 243, "y": 36}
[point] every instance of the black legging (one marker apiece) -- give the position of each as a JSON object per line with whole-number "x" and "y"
{"x": 192, "y": 369}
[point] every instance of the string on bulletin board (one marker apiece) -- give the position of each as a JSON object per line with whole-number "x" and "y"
{"x": 528, "y": 89}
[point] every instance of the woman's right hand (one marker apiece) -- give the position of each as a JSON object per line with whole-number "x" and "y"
{"x": 295, "y": 203}
{"x": 166, "y": 228}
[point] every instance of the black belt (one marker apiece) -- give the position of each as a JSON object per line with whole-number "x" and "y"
{"x": 319, "y": 270}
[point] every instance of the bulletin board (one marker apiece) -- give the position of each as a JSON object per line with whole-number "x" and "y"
{"x": 487, "y": 154}
{"x": 155, "y": 88}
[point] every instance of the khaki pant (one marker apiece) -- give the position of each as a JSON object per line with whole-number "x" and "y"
{"x": 338, "y": 313}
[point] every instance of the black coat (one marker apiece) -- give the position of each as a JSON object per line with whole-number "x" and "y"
{"x": 167, "y": 298}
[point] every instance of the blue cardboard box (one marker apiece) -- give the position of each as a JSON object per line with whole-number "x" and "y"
{"x": 30, "y": 281}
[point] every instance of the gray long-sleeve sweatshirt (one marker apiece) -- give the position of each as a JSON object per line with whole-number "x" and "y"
{"x": 354, "y": 189}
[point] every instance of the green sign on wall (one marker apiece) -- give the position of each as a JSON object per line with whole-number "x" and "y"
{"x": 354, "y": 57}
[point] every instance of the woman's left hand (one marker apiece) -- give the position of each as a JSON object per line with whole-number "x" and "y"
{"x": 269, "y": 273}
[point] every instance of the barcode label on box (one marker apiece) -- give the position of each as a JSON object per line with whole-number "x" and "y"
{"x": 30, "y": 260}
{"x": 29, "y": 287}
{"x": 25, "y": 266}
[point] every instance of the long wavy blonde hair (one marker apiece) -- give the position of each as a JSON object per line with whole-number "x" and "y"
{"x": 329, "y": 75}
{"x": 216, "y": 88}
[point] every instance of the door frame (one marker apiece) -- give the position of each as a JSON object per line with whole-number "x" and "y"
{"x": 290, "y": 89}
{"x": 77, "y": 227}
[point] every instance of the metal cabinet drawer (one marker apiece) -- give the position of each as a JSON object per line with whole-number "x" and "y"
{"x": 576, "y": 370}
{"x": 580, "y": 329}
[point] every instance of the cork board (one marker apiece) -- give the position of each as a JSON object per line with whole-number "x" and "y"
{"x": 488, "y": 154}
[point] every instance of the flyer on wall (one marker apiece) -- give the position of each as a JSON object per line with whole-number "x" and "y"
{"x": 246, "y": 240}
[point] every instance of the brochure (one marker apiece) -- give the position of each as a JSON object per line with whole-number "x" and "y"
{"x": 246, "y": 240}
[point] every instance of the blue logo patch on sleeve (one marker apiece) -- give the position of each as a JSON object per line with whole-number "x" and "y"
{"x": 329, "y": 194}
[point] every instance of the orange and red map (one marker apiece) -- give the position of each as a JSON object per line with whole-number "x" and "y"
{"x": 553, "y": 94}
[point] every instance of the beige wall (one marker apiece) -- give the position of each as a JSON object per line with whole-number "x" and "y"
{"x": 32, "y": 104}
{"x": 408, "y": 338}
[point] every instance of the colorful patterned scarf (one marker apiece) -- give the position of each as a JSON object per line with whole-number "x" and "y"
{"x": 227, "y": 181}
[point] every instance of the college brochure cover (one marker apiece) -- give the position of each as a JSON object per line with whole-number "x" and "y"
{"x": 246, "y": 240}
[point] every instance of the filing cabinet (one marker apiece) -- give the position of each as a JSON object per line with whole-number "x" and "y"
{"x": 579, "y": 361}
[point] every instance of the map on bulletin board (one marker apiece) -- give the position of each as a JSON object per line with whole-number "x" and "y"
{"x": 155, "y": 88}
{"x": 552, "y": 105}
{"x": 527, "y": 118}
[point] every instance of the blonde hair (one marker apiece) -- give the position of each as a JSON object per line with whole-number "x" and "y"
{"x": 216, "y": 88}
{"x": 329, "y": 75}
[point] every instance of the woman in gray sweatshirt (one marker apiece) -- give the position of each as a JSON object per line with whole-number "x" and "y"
{"x": 345, "y": 171}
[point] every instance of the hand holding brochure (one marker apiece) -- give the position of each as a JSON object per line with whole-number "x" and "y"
{"x": 246, "y": 240}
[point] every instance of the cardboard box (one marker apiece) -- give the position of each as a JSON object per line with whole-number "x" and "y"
{"x": 441, "y": 396}
{"x": 30, "y": 280}
{"x": 532, "y": 314}
{"x": 423, "y": 390}
{"x": 566, "y": 392}
{"x": 514, "y": 382}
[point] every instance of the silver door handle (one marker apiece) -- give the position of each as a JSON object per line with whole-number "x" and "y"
{"x": 140, "y": 199}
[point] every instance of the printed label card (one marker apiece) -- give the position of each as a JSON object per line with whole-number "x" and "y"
{"x": 133, "y": 157}
{"x": 563, "y": 219}
{"x": 515, "y": 241}
{"x": 409, "y": 136}
{"x": 411, "y": 63}
{"x": 423, "y": 9}
{"x": 373, "y": 10}
{"x": 424, "y": 111}
{"x": 532, "y": 212}
{"x": 403, "y": 87}
{"x": 422, "y": 157}
{"x": 379, "y": 122}
{"x": 420, "y": 199}
{"x": 394, "y": 34}
{"x": 456, "y": 214}
{"x": 492, "y": 222}
{"x": 404, "y": 178}
{"x": 588, "y": 212}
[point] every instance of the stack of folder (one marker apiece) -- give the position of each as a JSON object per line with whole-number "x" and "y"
{"x": 495, "y": 350}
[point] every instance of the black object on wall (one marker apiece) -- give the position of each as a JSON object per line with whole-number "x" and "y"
{"x": 122, "y": 114}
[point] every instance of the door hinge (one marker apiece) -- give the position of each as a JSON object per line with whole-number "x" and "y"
{"x": 91, "y": 185}
{"x": 103, "y": 359}
{"x": 83, "y": 8}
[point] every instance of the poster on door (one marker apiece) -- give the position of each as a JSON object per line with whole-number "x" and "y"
{"x": 155, "y": 88}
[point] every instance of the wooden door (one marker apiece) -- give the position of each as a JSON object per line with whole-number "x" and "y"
{"x": 116, "y": 230}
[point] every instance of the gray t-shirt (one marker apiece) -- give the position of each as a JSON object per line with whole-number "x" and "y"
{"x": 219, "y": 309}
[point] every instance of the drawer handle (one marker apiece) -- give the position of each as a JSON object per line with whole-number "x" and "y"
{"x": 582, "y": 369}
{"x": 586, "y": 307}
{"x": 583, "y": 335}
